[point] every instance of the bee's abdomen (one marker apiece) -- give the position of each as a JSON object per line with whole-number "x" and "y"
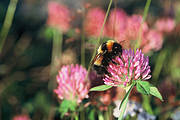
{"x": 100, "y": 69}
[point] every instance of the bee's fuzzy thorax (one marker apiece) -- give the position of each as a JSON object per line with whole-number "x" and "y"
{"x": 105, "y": 53}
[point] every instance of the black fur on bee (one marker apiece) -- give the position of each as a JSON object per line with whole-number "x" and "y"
{"x": 105, "y": 53}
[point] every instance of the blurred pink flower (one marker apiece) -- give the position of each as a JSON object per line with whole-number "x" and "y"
{"x": 21, "y": 117}
{"x": 72, "y": 84}
{"x": 58, "y": 16}
{"x": 133, "y": 27}
{"x": 94, "y": 21}
{"x": 117, "y": 24}
{"x": 165, "y": 25}
{"x": 153, "y": 41}
{"x": 131, "y": 66}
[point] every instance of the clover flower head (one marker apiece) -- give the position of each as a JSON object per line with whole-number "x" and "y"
{"x": 129, "y": 66}
{"x": 152, "y": 41}
{"x": 72, "y": 84}
{"x": 94, "y": 21}
{"x": 133, "y": 27}
{"x": 165, "y": 25}
{"x": 58, "y": 16}
{"x": 21, "y": 117}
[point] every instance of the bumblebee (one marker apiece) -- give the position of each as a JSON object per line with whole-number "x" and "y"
{"x": 105, "y": 53}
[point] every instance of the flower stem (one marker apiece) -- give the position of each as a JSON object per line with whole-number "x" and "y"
{"x": 158, "y": 65}
{"x": 56, "y": 55}
{"x": 146, "y": 9}
{"x": 7, "y": 22}
{"x": 83, "y": 48}
{"x": 83, "y": 41}
{"x": 76, "y": 117}
{"x": 101, "y": 32}
{"x": 146, "y": 104}
{"x": 100, "y": 116}
{"x": 123, "y": 104}
{"x": 106, "y": 115}
{"x": 82, "y": 112}
{"x": 109, "y": 112}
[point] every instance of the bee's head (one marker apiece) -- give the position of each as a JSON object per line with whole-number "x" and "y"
{"x": 117, "y": 49}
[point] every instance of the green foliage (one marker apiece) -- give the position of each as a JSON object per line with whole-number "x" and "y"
{"x": 146, "y": 103}
{"x": 91, "y": 115}
{"x": 101, "y": 88}
{"x": 48, "y": 32}
{"x": 93, "y": 40}
{"x": 123, "y": 104}
{"x": 40, "y": 101}
{"x": 66, "y": 106}
{"x": 146, "y": 88}
{"x": 155, "y": 92}
{"x": 143, "y": 87}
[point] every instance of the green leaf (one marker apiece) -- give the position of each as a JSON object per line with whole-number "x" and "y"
{"x": 67, "y": 105}
{"x": 100, "y": 88}
{"x": 155, "y": 92}
{"x": 143, "y": 87}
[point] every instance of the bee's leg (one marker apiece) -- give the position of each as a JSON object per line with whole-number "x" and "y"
{"x": 105, "y": 61}
{"x": 114, "y": 62}
{"x": 119, "y": 55}
{"x": 105, "y": 65}
{"x": 106, "y": 72}
{"x": 99, "y": 69}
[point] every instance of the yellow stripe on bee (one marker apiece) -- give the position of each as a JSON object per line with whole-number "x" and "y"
{"x": 98, "y": 61}
{"x": 109, "y": 45}
{"x": 100, "y": 49}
